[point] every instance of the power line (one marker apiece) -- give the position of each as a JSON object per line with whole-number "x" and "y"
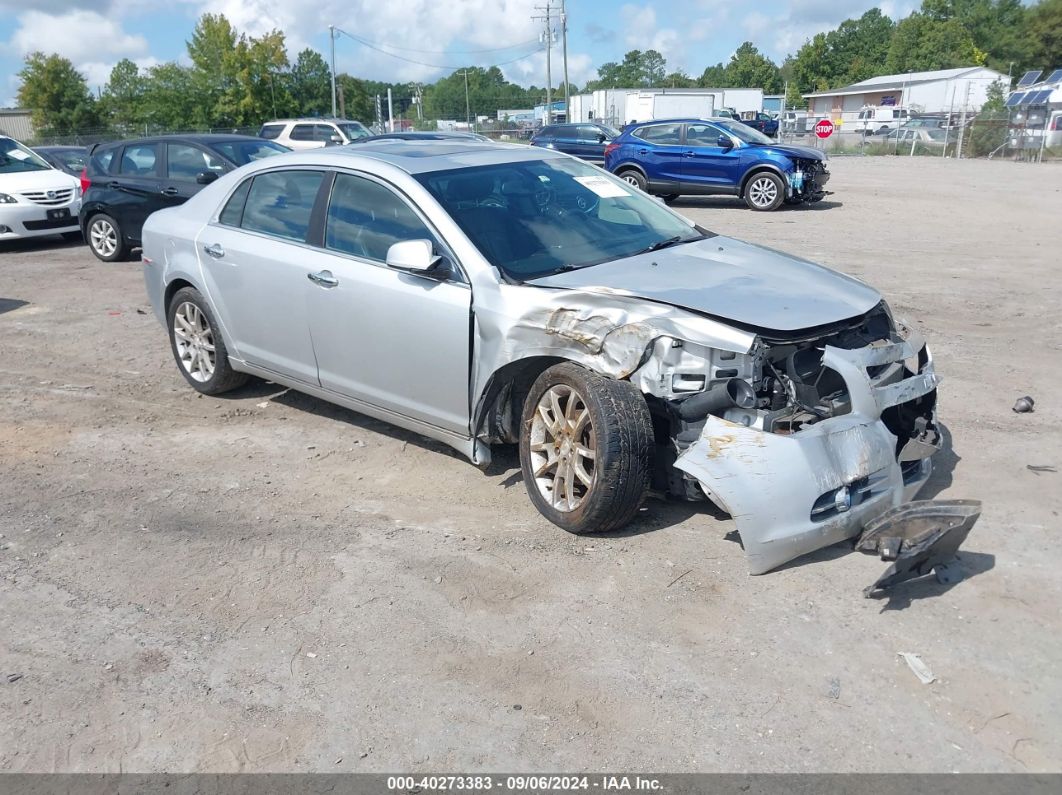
{"x": 372, "y": 46}
{"x": 521, "y": 45}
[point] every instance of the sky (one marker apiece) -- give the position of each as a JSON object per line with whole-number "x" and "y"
{"x": 432, "y": 37}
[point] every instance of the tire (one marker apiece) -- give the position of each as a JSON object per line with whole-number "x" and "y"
{"x": 72, "y": 237}
{"x": 670, "y": 198}
{"x": 197, "y": 346}
{"x": 104, "y": 237}
{"x": 634, "y": 177}
{"x": 602, "y": 417}
{"x": 764, "y": 191}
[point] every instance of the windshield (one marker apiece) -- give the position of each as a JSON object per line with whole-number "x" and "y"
{"x": 243, "y": 152}
{"x": 540, "y": 217}
{"x": 354, "y": 131}
{"x": 742, "y": 132}
{"x": 72, "y": 159}
{"x": 15, "y": 158}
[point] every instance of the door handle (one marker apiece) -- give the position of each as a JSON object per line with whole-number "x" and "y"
{"x": 323, "y": 278}
{"x": 643, "y": 151}
{"x": 215, "y": 251}
{"x": 688, "y": 153}
{"x": 170, "y": 191}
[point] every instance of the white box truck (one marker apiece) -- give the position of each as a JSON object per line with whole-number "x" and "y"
{"x": 651, "y": 105}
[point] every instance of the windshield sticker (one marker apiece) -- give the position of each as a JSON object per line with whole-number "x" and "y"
{"x": 18, "y": 154}
{"x": 602, "y": 186}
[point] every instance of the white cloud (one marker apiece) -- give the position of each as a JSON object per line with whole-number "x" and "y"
{"x": 79, "y": 35}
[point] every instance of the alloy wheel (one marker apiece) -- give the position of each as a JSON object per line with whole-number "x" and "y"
{"x": 103, "y": 237}
{"x": 763, "y": 192}
{"x": 562, "y": 446}
{"x": 194, "y": 340}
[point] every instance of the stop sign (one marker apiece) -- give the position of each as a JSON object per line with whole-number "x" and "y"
{"x": 824, "y": 129}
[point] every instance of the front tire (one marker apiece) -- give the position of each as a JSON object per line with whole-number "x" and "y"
{"x": 634, "y": 177}
{"x": 764, "y": 191}
{"x": 197, "y": 345}
{"x": 105, "y": 238}
{"x": 586, "y": 449}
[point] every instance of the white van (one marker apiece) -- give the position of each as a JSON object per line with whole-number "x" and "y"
{"x": 880, "y": 118}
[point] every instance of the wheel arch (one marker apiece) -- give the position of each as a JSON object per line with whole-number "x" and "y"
{"x": 630, "y": 166}
{"x": 759, "y": 168}
{"x": 172, "y": 287}
{"x": 496, "y": 418}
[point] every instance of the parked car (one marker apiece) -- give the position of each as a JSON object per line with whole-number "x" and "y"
{"x": 794, "y": 122}
{"x": 71, "y": 159}
{"x": 919, "y": 136}
{"x": 125, "y": 181}
{"x": 707, "y": 157}
{"x": 763, "y": 122}
{"x": 496, "y": 293}
{"x": 35, "y": 198}
{"x": 313, "y": 133}
{"x": 586, "y": 140}
{"x": 432, "y": 135}
{"x": 875, "y": 120}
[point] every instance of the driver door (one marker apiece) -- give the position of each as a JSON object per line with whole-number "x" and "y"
{"x": 393, "y": 339}
{"x": 707, "y": 163}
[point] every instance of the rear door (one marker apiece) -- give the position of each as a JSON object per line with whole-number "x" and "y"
{"x": 255, "y": 260}
{"x": 136, "y": 187}
{"x": 183, "y": 165}
{"x": 591, "y": 147}
{"x": 304, "y": 136}
{"x": 659, "y": 150}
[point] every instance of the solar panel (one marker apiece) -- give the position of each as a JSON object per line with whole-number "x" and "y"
{"x": 1056, "y": 77}
{"x": 1015, "y": 99}
{"x": 1041, "y": 97}
{"x": 1029, "y": 78}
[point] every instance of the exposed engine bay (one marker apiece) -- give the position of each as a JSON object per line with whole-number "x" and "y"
{"x": 807, "y": 182}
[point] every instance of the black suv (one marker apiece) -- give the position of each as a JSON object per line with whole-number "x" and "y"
{"x": 126, "y": 181}
{"x": 587, "y": 140}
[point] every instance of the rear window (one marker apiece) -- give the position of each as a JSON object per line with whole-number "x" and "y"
{"x": 100, "y": 162}
{"x": 271, "y": 131}
{"x": 243, "y": 152}
{"x": 661, "y": 134}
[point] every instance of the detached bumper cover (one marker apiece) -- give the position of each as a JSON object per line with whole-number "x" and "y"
{"x": 773, "y": 485}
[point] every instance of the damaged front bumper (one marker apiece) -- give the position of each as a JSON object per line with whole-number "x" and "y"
{"x": 791, "y": 494}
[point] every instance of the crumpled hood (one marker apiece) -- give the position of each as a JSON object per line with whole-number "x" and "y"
{"x": 733, "y": 280}
{"x": 789, "y": 150}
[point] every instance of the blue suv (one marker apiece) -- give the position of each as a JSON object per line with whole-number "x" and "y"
{"x": 706, "y": 157}
{"x": 586, "y": 140}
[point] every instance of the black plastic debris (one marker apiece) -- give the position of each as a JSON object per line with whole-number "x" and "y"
{"x": 919, "y": 538}
{"x": 1024, "y": 405}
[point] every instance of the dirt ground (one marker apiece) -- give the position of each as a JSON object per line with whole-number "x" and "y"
{"x": 265, "y": 582}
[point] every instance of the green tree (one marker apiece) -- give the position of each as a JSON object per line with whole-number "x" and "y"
{"x": 923, "y": 43}
{"x": 748, "y": 68}
{"x": 169, "y": 101}
{"x": 356, "y": 101}
{"x": 653, "y": 68}
{"x": 713, "y": 77}
{"x": 1044, "y": 27}
{"x": 311, "y": 84}
{"x": 56, "y": 94}
{"x": 996, "y": 27}
{"x": 213, "y": 75}
{"x": 258, "y": 91}
{"x": 679, "y": 79}
{"x": 121, "y": 104}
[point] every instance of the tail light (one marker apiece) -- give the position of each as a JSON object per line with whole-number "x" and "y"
{"x": 611, "y": 148}
{"x": 85, "y": 181}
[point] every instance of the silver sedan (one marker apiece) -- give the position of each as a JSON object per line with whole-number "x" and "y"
{"x": 482, "y": 294}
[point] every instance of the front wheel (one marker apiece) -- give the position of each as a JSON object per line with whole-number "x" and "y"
{"x": 586, "y": 447}
{"x": 197, "y": 345}
{"x": 765, "y": 191}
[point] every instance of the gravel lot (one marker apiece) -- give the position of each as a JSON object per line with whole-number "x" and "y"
{"x": 265, "y": 582}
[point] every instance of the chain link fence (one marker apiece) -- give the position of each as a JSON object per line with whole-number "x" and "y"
{"x": 102, "y": 135}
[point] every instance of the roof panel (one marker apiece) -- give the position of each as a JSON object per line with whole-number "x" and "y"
{"x": 1029, "y": 78}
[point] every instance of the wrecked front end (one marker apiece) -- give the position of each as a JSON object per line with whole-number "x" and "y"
{"x": 806, "y": 181}
{"x": 804, "y": 438}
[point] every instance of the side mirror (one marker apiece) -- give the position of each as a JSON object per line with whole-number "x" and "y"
{"x": 206, "y": 177}
{"x": 601, "y": 138}
{"x": 724, "y": 142}
{"x": 413, "y": 256}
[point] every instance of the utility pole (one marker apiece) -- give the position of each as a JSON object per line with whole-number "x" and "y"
{"x": 564, "y": 40}
{"x": 468, "y": 107}
{"x": 332, "y": 41}
{"x": 390, "y": 112}
{"x": 548, "y": 10}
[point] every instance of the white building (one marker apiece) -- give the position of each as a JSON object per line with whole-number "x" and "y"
{"x": 939, "y": 91}
{"x": 619, "y": 106}
{"x": 16, "y": 123}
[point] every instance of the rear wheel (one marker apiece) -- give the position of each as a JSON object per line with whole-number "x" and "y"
{"x": 586, "y": 445}
{"x": 764, "y": 191}
{"x": 635, "y": 178}
{"x": 105, "y": 238}
{"x": 197, "y": 345}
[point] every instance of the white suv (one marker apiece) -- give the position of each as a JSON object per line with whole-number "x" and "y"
{"x": 313, "y": 133}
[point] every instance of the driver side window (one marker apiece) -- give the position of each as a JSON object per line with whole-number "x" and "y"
{"x": 366, "y": 218}
{"x": 702, "y": 135}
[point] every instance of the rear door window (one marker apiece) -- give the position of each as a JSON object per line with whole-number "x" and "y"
{"x": 232, "y": 215}
{"x": 324, "y": 132}
{"x": 271, "y": 131}
{"x": 664, "y": 134}
{"x": 139, "y": 160}
{"x": 302, "y": 132}
{"x": 279, "y": 203}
